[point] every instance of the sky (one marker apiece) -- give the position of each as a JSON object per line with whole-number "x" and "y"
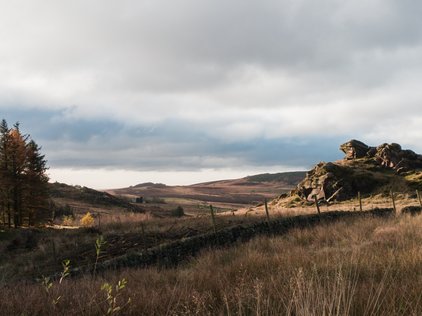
{"x": 124, "y": 92}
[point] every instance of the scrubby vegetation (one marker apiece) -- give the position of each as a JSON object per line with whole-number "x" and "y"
{"x": 87, "y": 220}
{"x": 355, "y": 267}
{"x": 178, "y": 212}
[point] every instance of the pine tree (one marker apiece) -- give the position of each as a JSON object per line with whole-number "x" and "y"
{"x": 23, "y": 178}
{"x": 36, "y": 181}
{"x": 4, "y": 173}
{"x": 17, "y": 159}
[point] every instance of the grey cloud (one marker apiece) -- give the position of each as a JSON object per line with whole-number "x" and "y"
{"x": 182, "y": 147}
{"x": 175, "y": 145}
{"x": 153, "y": 45}
{"x": 194, "y": 84}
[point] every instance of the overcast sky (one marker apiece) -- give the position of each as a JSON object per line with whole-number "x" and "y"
{"x": 123, "y": 92}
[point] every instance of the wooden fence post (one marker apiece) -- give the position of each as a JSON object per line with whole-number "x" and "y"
{"x": 316, "y": 204}
{"x": 53, "y": 248}
{"x": 268, "y": 214}
{"x": 143, "y": 235}
{"x": 360, "y": 201}
{"x": 99, "y": 220}
{"x": 213, "y": 219}
{"x": 394, "y": 201}
{"x": 419, "y": 197}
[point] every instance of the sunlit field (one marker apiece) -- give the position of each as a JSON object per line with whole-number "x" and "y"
{"x": 369, "y": 266}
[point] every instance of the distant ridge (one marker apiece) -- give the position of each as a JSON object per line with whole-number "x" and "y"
{"x": 149, "y": 184}
{"x": 291, "y": 178}
{"x": 244, "y": 191}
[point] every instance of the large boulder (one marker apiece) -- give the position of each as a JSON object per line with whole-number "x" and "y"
{"x": 326, "y": 181}
{"x": 355, "y": 149}
{"x": 394, "y": 157}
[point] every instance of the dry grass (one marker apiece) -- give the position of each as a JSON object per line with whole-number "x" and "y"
{"x": 294, "y": 205}
{"x": 30, "y": 253}
{"x": 359, "y": 267}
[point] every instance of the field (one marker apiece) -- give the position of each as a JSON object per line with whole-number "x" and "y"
{"x": 353, "y": 266}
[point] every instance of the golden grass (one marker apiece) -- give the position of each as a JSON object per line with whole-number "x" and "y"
{"x": 120, "y": 230}
{"x": 294, "y": 205}
{"x": 358, "y": 267}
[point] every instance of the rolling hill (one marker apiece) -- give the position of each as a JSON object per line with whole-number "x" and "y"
{"x": 82, "y": 199}
{"x": 226, "y": 194}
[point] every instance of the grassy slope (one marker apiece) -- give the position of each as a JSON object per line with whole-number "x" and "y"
{"x": 291, "y": 178}
{"x": 359, "y": 267}
{"x": 377, "y": 179}
{"x": 83, "y": 199}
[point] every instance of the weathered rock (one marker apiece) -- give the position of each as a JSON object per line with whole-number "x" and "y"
{"x": 325, "y": 181}
{"x": 392, "y": 156}
{"x": 354, "y": 149}
{"x": 364, "y": 169}
{"x": 386, "y": 155}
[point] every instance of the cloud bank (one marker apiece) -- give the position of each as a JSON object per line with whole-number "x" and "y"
{"x": 210, "y": 85}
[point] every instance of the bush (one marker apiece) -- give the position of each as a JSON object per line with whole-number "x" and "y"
{"x": 178, "y": 212}
{"x": 87, "y": 220}
{"x": 62, "y": 210}
{"x": 67, "y": 220}
{"x": 155, "y": 200}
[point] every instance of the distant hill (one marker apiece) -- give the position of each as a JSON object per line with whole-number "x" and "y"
{"x": 83, "y": 198}
{"x": 149, "y": 184}
{"x": 289, "y": 178}
{"x": 230, "y": 194}
{"x": 161, "y": 199}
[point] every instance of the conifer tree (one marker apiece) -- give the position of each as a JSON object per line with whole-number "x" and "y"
{"x": 23, "y": 178}
{"x": 4, "y": 173}
{"x": 36, "y": 181}
{"x": 17, "y": 159}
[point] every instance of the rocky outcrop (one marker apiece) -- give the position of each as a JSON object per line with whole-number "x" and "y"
{"x": 324, "y": 180}
{"x": 355, "y": 149}
{"x": 364, "y": 169}
{"x": 386, "y": 155}
{"x": 332, "y": 181}
{"x": 392, "y": 156}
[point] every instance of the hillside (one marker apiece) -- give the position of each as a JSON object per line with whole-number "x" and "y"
{"x": 287, "y": 178}
{"x": 226, "y": 194}
{"x": 297, "y": 262}
{"x": 359, "y": 266}
{"x": 160, "y": 199}
{"x": 83, "y": 199}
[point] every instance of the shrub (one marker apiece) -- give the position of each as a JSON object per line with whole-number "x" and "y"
{"x": 62, "y": 210}
{"x": 67, "y": 220}
{"x": 178, "y": 212}
{"x": 155, "y": 200}
{"x": 87, "y": 220}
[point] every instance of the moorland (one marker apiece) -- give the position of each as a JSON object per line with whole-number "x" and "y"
{"x": 357, "y": 253}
